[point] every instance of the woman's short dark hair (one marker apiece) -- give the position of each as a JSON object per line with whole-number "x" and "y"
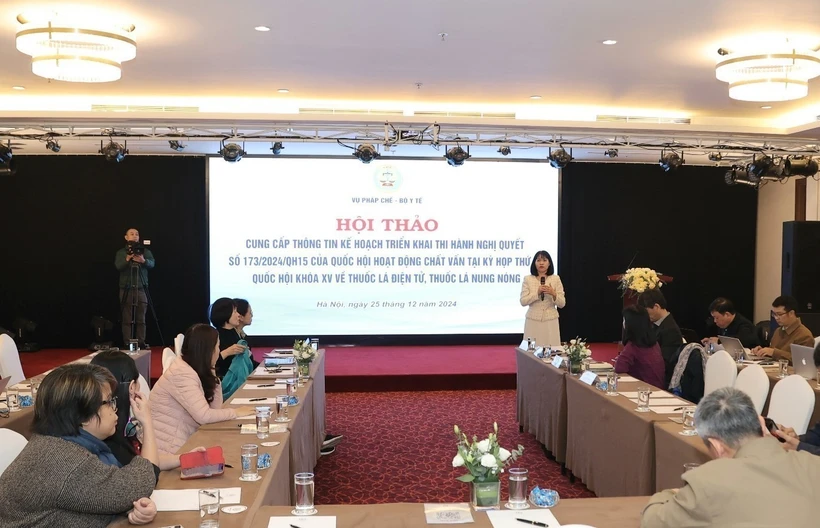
{"x": 221, "y": 311}
{"x": 638, "y": 328}
{"x": 124, "y": 370}
{"x": 242, "y": 306}
{"x": 198, "y": 352}
{"x": 547, "y": 256}
{"x": 70, "y": 396}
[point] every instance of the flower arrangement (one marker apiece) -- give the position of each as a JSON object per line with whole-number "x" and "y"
{"x": 577, "y": 350}
{"x": 640, "y": 280}
{"x": 484, "y": 460}
{"x": 303, "y": 351}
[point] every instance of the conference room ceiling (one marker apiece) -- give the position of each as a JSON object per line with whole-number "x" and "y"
{"x": 495, "y": 56}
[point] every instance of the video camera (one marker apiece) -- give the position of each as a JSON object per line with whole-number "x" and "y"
{"x": 134, "y": 248}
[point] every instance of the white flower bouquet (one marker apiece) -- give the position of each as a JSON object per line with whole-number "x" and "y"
{"x": 303, "y": 352}
{"x": 577, "y": 350}
{"x": 640, "y": 280}
{"x": 484, "y": 460}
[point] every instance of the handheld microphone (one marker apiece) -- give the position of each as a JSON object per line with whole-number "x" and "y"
{"x": 543, "y": 279}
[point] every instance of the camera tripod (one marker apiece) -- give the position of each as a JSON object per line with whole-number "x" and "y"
{"x": 131, "y": 291}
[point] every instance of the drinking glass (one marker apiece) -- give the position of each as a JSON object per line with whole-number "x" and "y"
{"x": 643, "y": 399}
{"x": 784, "y": 368}
{"x": 262, "y": 422}
{"x": 688, "y": 422}
{"x": 818, "y": 378}
{"x": 282, "y": 408}
{"x": 518, "y": 489}
{"x": 530, "y": 344}
{"x": 209, "y": 503}
{"x": 690, "y": 466}
{"x": 611, "y": 383}
{"x": 133, "y": 346}
{"x": 304, "y": 494}
{"x": 291, "y": 388}
{"x": 250, "y": 455}
{"x": 13, "y": 399}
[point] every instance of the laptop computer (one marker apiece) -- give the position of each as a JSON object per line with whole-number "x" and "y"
{"x": 803, "y": 361}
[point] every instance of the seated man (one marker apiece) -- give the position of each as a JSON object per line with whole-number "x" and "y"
{"x": 667, "y": 330}
{"x": 750, "y": 473}
{"x": 731, "y": 324}
{"x": 791, "y": 331}
{"x": 809, "y": 442}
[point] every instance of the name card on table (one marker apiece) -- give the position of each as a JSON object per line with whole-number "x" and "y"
{"x": 523, "y": 345}
{"x": 557, "y": 361}
{"x": 457, "y": 513}
{"x": 589, "y": 377}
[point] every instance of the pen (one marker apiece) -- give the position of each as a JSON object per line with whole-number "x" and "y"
{"x": 677, "y": 408}
{"x": 257, "y": 399}
{"x": 293, "y": 526}
{"x": 267, "y": 385}
{"x": 534, "y": 523}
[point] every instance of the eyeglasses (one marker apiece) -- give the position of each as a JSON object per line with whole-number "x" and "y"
{"x": 777, "y": 315}
{"x": 112, "y": 402}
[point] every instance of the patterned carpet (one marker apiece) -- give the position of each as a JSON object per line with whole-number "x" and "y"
{"x": 399, "y": 446}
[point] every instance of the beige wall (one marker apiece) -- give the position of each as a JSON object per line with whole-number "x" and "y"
{"x": 775, "y": 205}
{"x": 813, "y": 199}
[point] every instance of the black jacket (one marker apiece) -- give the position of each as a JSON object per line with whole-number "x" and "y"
{"x": 742, "y": 329}
{"x": 670, "y": 341}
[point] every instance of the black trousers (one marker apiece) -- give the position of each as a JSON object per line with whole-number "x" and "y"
{"x": 129, "y": 297}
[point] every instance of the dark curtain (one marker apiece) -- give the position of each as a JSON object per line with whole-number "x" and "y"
{"x": 62, "y": 220}
{"x": 687, "y": 224}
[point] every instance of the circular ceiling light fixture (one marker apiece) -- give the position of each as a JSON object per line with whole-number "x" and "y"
{"x": 262, "y": 28}
{"x": 75, "y": 50}
{"x": 670, "y": 160}
{"x": 768, "y": 75}
{"x": 609, "y": 42}
{"x": 18, "y": 87}
{"x": 535, "y": 97}
{"x": 114, "y": 152}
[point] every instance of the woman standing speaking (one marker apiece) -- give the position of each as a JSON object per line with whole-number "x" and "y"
{"x": 543, "y": 292}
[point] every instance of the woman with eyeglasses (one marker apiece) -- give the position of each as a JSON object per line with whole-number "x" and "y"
{"x": 189, "y": 393}
{"x": 126, "y": 442}
{"x": 66, "y": 475}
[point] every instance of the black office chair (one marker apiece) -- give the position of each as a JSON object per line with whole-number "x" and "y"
{"x": 763, "y": 332}
{"x": 689, "y": 335}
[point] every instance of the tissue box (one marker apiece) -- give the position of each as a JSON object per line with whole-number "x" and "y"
{"x": 202, "y": 464}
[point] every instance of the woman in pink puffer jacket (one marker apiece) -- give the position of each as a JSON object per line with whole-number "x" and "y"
{"x": 189, "y": 393}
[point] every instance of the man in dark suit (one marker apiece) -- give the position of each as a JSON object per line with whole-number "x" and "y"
{"x": 667, "y": 330}
{"x": 729, "y": 323}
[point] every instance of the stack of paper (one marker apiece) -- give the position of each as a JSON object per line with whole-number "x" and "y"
{"x": 188, "y": 499}
{"x": 319, "y": 521}
{"x": 509, "y": 519}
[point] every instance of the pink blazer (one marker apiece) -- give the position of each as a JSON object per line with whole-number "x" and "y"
{"x": 179, "y": 407}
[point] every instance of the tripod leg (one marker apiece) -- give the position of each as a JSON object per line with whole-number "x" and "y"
{"x": 153, "y": 311}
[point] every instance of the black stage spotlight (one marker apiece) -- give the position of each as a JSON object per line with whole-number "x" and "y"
{"x": 5, "y": 153}
{"x": 456, "y": 156}
{"x": 277, "y": 148}
{"x": 504, "y": 151}
{"x": 611, "y": 153}
{"x": 560, "y": 158}
{"x": 800, "y": 166}
{"x": 366, "y": 153}
{"x": 760, "y": 167}
{"x": 114, "y": 152}
{"x": 740, "y": 175}
{"x": 715, "y": 156}
{"x": 176, "y": 145}
{"x": 52, "y": 145}
{"x": 8, "y": 165}
{"x": 231, "y": 152}
{"x": 670, "y": 160}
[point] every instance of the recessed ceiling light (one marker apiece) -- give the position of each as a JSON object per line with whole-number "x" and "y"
{"x": 18, "y": 87}
{"x": 262, "y": 28}
{"x": 767, "y": 107}
{"x": 535, "y": 97}
{"x": 609, "y": 42}
{"x": 283, "y": 90}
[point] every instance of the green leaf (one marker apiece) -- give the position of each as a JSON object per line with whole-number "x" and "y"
{"x": 466, "y": 478}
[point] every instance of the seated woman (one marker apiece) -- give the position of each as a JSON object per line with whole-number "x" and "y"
{"x": 66, "y": 475}
{"x": 127, "y": 440}
{"x": 245, "y": 313}
{"x": 189, "y": 393}
{"x": 641, "y": 357}
{"x": 235, "y": 362}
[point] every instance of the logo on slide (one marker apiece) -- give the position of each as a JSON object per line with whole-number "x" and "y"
{"x": 387, "y": 178}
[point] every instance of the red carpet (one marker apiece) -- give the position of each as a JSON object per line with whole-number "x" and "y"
{"x": 377, "y": 369}
{"x": 399, "y": 447}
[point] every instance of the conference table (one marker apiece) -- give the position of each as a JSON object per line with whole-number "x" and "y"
{"x": 297, "y": 451}
{"x": 542, "y": 402}
{"x": 21, "y": 421}
{"x": 672, "y": 451}
{"x": 601, "y": 513}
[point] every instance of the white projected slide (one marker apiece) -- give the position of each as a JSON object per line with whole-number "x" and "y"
{"x": 338, "y": 247}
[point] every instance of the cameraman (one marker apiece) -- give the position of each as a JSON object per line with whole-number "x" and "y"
{"x": 133, "y": 262}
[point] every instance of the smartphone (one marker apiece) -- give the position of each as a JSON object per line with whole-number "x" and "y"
{"x": 772, "y": 427}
